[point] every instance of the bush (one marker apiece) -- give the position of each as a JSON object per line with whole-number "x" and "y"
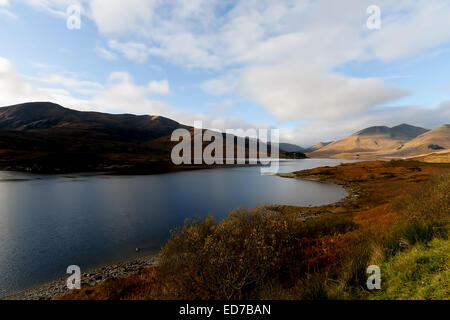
{"x": 234, "y": 259}
{"x": 313, "y": 287}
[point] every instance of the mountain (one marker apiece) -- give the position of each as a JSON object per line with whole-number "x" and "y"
{"x": 46, "y": 137}
{"x": 371, "y": 142}
{"x": 42, "y": 117}
{"x": 431, "y": 141}
{"x": 318, "y": 146}
{"x": 288, "y": 147}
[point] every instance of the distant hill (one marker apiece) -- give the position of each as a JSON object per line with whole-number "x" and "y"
{"x": 428, "y": 142}
{"x": 318, "y": 146}
{"x": 371, "y": 142}
{"x": 46, "y": 137}
{"x": 41, "y": 117}
{"x": 288, "y": 147}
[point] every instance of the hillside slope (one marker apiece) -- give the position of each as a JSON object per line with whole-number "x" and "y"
{"x": 431, "y": 141}
{"x": 46, "y": 116}
{"x": 371, "y": 142}
{"x": 318, "y": 146}
{"x": 46, "y": 137}
{"x": 289, "y": 147}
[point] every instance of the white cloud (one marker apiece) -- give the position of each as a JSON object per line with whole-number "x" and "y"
{"x": 222, "y": 106}
{"x": 423, "y": 26}
{"x": 214, "y": 34}
{"x": 290, "y": 91}
{"x": 222, "y": 85}
{"x": 120, "y": 76}
{"x": 6, "y": 12}
{"x": 159, "y": 87}
{"x": 14, "y": 87}
{"x": 105, "y": 53}
{"x": 122, "y": 16}
{"x": 56, "y": 8}
{"x": 67, "y": 82}
{"x": 120, "y": 94}
{"x": 321, "y": 130}
{"x": 131, "y": 50}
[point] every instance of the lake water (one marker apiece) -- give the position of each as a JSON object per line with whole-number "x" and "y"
{"x": 48, "y": 222}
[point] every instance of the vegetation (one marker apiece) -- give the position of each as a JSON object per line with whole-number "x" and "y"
{"x": 423, "y": 272}
{"x": 235, "y": 258}
{"x": 45, "y": 137}
{"x": 435, "y": 147}
{"x": 399, "y": 221}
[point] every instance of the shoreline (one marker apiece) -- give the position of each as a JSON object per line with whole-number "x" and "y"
{"x": 56, "y": 288}
{"x": 145, "y": 168}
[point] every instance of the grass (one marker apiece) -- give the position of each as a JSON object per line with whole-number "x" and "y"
{"x": 400, "y": 222}
{"x": 423, "y": 272}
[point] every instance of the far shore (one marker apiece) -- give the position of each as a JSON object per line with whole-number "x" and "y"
{"x": 145, "y": 168}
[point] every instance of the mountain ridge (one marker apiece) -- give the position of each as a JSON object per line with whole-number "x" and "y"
{"x": 403, "y": 140}
{"x": 47, "y": 115}
{"x": 47, "y": 137}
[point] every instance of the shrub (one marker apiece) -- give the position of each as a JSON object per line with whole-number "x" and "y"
{"x": 313, "y": 287}
{"x": 435, "y": 147}
{"x": 328, "y": 225}
{"x": 234, "y": 259}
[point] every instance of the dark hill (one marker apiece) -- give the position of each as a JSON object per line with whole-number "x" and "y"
{"x": 46, "y": 137}
{"x": 289, "y": 147}
{"x": 30, "y": 117}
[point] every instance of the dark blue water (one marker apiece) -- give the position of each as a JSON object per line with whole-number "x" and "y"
{"x": 50, "y": 222}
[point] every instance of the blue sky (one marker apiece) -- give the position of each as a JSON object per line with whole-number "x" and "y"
{"x": 313, "y": 69}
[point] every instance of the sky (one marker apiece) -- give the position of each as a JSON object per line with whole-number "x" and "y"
{"x": 316, "y": 69}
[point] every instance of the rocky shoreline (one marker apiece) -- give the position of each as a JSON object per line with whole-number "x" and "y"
{"x": 54, "y": 289}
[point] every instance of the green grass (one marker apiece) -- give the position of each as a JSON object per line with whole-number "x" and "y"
{"x": 423, "y": 272}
